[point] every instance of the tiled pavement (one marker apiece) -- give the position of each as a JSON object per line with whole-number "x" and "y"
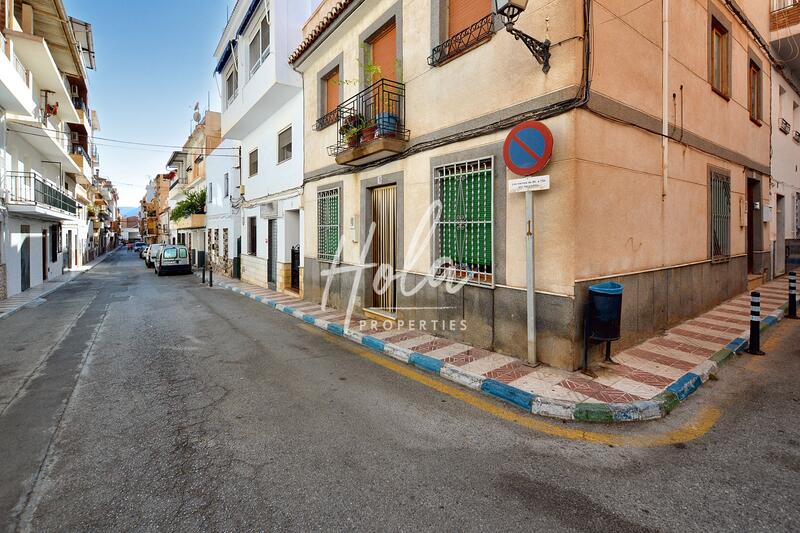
{"x": 649, "y": 380}
{"x": 9, "y": 306}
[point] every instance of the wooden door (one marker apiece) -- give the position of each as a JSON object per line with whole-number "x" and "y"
{"x": 780, "y": 235}
{"x": 384, "y": 207}
{"x": 384, "y": 53}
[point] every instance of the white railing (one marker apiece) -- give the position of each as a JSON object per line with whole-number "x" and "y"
{"x": 777, "y": 5}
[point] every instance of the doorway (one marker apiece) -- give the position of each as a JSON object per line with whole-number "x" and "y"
{"x": 25, "y": 258}
{"x": 384, "y": 216}
{"x": 753, "y": 212}
{"x": 272, "y": 253}
{"x": 68, "y": 253}
{"x": 780, "y": 235}
{"x": 44, "y": 255}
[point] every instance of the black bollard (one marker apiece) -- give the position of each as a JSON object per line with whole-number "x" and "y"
{"x": 204, "y": 275}
{"x": 210, "y": 277}
{"x": 792, "y": 295}
{"x": 754, "y": 346}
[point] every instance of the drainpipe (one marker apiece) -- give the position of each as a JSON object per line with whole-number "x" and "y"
{"x": 665, "y": 96}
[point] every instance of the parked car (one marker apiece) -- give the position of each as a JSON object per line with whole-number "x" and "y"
{"x": 138, "y": 247}
{"x": 173, "y": 258}
{"x": 143, "y": 252}
{"x": 152, "y": 255}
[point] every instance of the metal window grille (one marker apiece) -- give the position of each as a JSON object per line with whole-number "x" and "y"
{"x": 464, "y": 228}
{"x": 720, "y": 217}
{"x": 327, "y": 224}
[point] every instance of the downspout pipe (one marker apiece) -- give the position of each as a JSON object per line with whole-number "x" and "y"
{"x": 664, "y": 96}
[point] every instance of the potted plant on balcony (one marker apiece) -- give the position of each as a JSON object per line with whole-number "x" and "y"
{"x": 351, "y": 129}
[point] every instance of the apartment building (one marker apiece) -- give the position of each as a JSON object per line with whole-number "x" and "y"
{"x": 130, "y": 231}
{"x": 785, "y": 193}
{"x": 189, "y": 166}
{"x": 46, "y": 135}
{"x": 223, "y": 180}
{"x": 154, "y": 210}
{"x": 263, "y": 111}
{"x": 659, "y": 171}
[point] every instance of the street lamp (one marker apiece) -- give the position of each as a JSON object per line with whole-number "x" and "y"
{"x": 510, "y": 11}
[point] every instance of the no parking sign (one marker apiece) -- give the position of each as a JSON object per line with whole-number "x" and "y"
{"x": 528, "y": 148}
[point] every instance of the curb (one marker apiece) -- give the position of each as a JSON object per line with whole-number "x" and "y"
{"x": 54, "y": 289}
{"x": 657, "y": 407}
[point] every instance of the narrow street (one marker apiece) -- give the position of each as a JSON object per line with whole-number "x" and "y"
{"x": 131, "y": 401}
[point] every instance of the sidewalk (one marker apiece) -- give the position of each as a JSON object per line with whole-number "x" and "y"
{"x": 650, "y": 380}
{"x": 9, "y": 306}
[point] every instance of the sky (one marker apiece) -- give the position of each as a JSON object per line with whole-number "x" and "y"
{"x": 154, "y": 62}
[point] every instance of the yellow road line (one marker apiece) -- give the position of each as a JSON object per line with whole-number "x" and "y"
{"x": 701, "y": 424}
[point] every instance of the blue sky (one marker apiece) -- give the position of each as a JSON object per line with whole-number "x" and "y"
{"x": 154, "y": 61}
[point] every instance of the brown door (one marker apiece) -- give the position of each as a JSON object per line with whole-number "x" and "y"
{"x": 384, "y": 206}
{"x": 44, "y": 255}
{"x": 384, "y": 53}
{"x": 461, "y": 14}
{"x": 752, "y": 220}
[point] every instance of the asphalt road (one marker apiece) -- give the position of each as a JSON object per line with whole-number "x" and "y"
{"x": 129, "y": 401}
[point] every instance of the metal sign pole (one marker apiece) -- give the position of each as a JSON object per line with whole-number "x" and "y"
{"x": 531, "y": 275}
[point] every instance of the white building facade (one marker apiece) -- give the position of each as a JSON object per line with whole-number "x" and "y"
{"x": 263, "y": 110}
{"x": 223, "y": 208}
{"x": 47, "y": 157}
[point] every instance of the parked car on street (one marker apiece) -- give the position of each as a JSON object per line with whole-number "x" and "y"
{"x": 152, "y": 254}
{"x": 143, "y": 252}
{"x": 173, "y": 258}
{"x": 138, "y": 247}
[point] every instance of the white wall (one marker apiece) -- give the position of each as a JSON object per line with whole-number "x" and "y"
{"x": 785, "y": 153}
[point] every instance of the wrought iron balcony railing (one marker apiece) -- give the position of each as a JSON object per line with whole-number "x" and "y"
{"x": 462, "y": 41}
{"x": 778, "y": 5}
{"x": 80, "y": 150}
{"x": 377, "y": 112}
{"x": 29, "y": 188}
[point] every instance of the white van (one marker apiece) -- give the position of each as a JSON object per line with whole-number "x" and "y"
{"x": 173, "y": 258}
{"x": 152, "y": 254}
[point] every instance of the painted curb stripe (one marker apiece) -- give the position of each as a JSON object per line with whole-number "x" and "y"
{"x": 657, "y": 407}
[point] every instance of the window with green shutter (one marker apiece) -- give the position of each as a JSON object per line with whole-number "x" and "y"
{"x": 464, "y": 227}
{"x": 327, "y": 224}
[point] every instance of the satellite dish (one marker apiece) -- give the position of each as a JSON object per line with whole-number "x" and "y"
{"x": 196, "y": 115}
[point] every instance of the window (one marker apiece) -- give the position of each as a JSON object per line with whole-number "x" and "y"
{"x": 720, "y": 58}
{"x": 332, "y": 87}
{"x": 754, "y": 91}
{"x": 252, "y": 237}
{"x": 210, "y": 195}
{"x": 182, "y": 253}
{"x": 720, "y": 217}
{"x": 285, "y": 145}
{"x": 259, "y": 46}
{"x": 461, "y": 14}
{"x": 226, "y": 185}
{"x": 231, "y": 85}
{"x": 170, "y": 253}
{"x": 253, "y": 163}
{"x": 463, "y": 230}
{"x": 327, "y": 224}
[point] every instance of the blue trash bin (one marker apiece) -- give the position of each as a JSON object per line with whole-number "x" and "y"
{"x": 605, "y": 311}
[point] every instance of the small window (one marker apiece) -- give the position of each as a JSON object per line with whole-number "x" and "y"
{"x": 252, "y": 237}
{"x": 720, "y": 217}
{"x": 719, "y": 58}
{"x": 285, "y": 145}
{"x": 259, "y": 46}
{"x": 327, "y": 224}
{"x": 226, "y": 185}
{"x": 332, "y": 87}
{"x": 170, "y": 253}
{"x": 182, "y": 253}
{"x": 754, "y": 92}
{"x": 461, "y": 14}
{"x": 253, "y": 162}
{"x": 231, "y": 85}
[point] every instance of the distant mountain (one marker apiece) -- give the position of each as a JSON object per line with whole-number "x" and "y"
{"x": 128, "y": 211}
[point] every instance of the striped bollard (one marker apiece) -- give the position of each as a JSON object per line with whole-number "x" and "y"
{"x": 792, "y": 295}
{"x": 754, "y": 346}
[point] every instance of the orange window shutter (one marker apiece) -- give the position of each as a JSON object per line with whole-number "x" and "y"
{"x": 384, "y": 53}
{"x": 461, "y": 14}
{"x": 332, "y": 91}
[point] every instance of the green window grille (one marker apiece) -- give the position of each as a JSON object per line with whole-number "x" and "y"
{"x": 327, "y": 224}
{"x": 720, "y": 217}
{"x": 464, "y": 228}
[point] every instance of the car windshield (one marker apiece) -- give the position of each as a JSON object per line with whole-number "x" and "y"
{"x": 170, "y": 253}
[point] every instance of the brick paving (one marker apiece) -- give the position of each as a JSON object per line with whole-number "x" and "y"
{"x": 643, "y": 372}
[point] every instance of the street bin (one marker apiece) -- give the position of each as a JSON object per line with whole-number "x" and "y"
{"x": 602, "y": 319}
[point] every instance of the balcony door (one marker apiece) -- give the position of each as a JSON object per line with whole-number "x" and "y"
{"x": 384, "y": 216}
{"x": 383, "y": 51}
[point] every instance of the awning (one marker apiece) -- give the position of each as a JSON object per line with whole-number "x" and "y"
{"x": 225, "y": 56}
{"x": 247, "y": 16}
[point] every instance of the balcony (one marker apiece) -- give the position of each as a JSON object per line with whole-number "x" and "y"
{"x": 81, "y": 158}
{"x": 784, "y": 13}
{"x": 30, "y": 194}
{"x": 191, "y": 222}
{"x": 371, "y": 125}
{"x": 16, "y": 95}
{"x": 784, "y": 25}
{"x": 477, "y": 34}
{"x": 84, "y": 114}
